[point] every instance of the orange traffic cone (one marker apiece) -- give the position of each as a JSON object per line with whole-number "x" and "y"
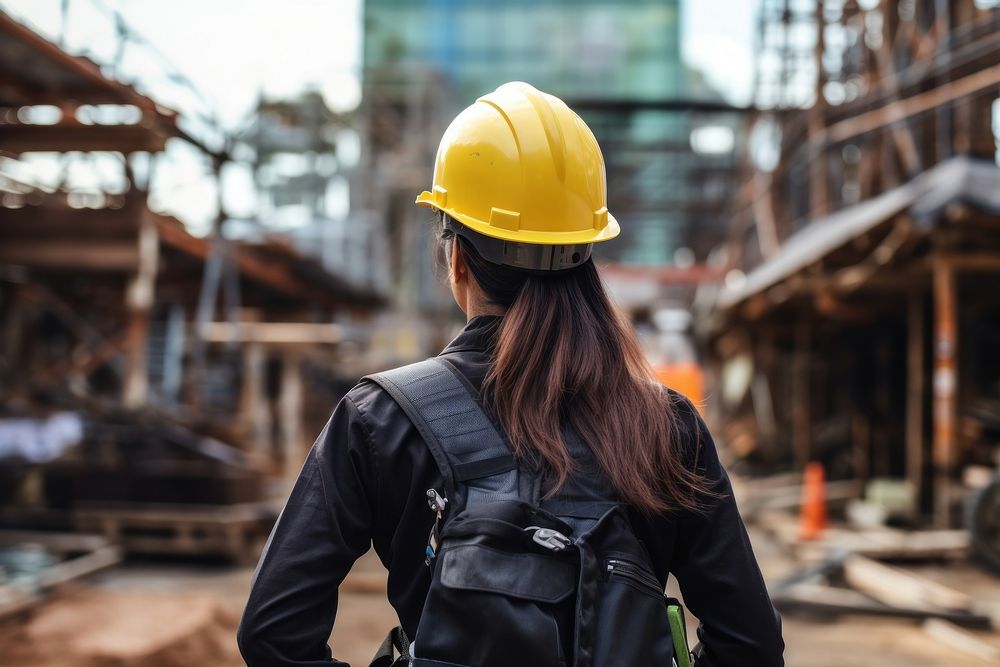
{"x": 812, "y": 517}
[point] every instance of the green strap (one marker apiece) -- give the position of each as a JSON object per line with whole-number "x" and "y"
{"x": 678, "y": 632}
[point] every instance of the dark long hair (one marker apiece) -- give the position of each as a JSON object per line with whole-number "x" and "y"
{"x": 565, "y": 355}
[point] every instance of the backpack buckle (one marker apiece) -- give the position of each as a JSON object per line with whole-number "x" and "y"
{"x": 549, "y": 538}
{"x": 436, "y": 501}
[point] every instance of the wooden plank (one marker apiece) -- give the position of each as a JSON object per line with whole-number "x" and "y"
{"x": 160, "y": 514}
{"x": 16, "y": 598}
{"x": 75, "y": 568}
{"x": 74, "y": 137}
{"x": 815, "y": 598}
{"x": 899, "y": 588}
{"x": 979, "y": 262}
{"x": 885, "y": 543}
{"x": 273, "y": 333}
{"x": 67, "y": 255}
{"x": 60, "y": 222}
{"x": 891, "y": 544}
{"x": 54, "y": 542}
{"x": 962, "y": 640}
{"x": 97, "y": 87}
{"x": 896, "y": 111}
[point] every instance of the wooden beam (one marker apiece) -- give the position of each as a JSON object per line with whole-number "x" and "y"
{"x": 139, "y": 298}
{"x": 985, "y": 262}
{"x": 819, "y": 177}
{"x": 899, "y": 588}
{"x": 75, "y": 137}
{"x": 255, "y": 409}
{"x": 818, "y": 598}
{"x": 896, "y": 111}
{"x": 801, "y": 397}
{"x": 944, "y": 387}
{"x": 60, "y": 221}
{"x": 66, "y": 254}
{"x": 763, "y": 214}
{"x": 290, "y": 411}
{"x": 273, "y": 275}
{"x": 83, "y": 69}
{"x": 915, "y": 397}
{"x": 273, "y": 333}
{"x": 902, "y": 136}
{"x": 81, "y": 566}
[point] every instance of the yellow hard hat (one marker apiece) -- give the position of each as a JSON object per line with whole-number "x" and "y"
{"x": 520, "y": 166}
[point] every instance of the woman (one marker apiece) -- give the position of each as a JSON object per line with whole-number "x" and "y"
{"x": 520, "y": 192}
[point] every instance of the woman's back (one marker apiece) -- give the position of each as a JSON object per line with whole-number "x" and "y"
{"x": 365, "y": 482}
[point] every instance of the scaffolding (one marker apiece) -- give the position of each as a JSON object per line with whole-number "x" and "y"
{"x": 863, "y": 241}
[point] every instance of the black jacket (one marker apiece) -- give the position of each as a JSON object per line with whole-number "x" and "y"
{"x": 363, "y": 484}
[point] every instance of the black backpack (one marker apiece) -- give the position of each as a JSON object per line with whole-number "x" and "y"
{"x": 518, "y": 579}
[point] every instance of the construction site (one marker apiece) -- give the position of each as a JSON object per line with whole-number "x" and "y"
{"x": 816, "y": 267}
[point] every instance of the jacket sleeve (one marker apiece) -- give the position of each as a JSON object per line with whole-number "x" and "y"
{"x": 324, "y": 527}
{"x": 718, "y": 575}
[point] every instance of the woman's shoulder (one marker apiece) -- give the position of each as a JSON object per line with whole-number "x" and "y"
{"x": 688, "y": 426}
{"x": 368, "y": 397}
{"x": 683, "y": 410}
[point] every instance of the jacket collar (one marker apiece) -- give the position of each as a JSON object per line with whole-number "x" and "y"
{"x": 478, "y": 334}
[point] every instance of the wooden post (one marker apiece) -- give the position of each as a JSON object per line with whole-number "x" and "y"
{"x": 915, "y": 397}
{"x": 139, "y": 297}
{"x": 290, "y": 408}
{"x": 945, "y": 386}
{"x": 819, "y": 185}
{"x": 255, "y": 412}
{"x": 883, "y": 403}
{"x": 801, "y": 397}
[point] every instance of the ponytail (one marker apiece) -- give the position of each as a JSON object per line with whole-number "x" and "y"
{"x": 565, "y": 355}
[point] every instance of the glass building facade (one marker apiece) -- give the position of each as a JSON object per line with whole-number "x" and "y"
{"x": 575, "y": 48}
{"x": 618, "y": 63}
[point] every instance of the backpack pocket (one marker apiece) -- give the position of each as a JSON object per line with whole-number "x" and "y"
{"x": 487, "y": 606}
{"x": 632, "y": 623}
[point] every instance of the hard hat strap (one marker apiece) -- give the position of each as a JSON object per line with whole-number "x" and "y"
{"x": 527, "y": 256}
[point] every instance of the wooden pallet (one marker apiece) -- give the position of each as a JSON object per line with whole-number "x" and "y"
{"x": 235, "y": 532}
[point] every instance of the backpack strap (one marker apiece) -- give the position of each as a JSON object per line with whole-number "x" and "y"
{"x": 474, "y": 458}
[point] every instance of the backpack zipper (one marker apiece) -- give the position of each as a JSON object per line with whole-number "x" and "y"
{"x": 623, "y": 568}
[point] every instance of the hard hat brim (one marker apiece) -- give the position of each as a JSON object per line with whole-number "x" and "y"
{"x": 605, "y": 233}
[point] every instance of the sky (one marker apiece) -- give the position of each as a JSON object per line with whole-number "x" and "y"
{"x": 234, "y": 50}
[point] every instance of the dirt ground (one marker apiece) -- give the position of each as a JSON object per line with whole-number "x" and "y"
{"x": 152, "y": 614}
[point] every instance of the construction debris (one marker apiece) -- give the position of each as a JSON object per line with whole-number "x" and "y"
{"x": 899, "y": 588}
{"x": 856, "y": 326}
{"x": 33, "y": 564}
